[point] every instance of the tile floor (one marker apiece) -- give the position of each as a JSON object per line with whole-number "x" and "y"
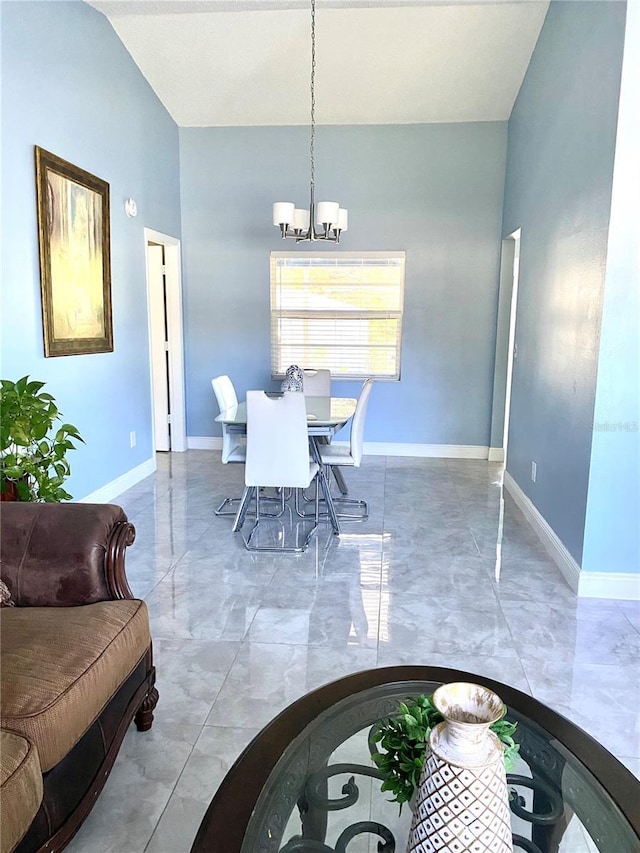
{"x": 238, "y": 637}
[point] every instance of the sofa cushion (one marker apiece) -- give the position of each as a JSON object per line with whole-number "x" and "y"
{"x": 20, "y": 788}
{"x": 61, "y": 665}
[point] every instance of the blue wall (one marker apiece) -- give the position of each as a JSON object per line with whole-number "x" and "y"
{"x": 432, "y": 190}
{"x": 70, "y": 86}
{"x": 612, "y": 533}
{"x": 558, "y": 190}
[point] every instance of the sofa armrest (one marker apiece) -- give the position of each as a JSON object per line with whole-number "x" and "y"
{"x": 64, "y": 554}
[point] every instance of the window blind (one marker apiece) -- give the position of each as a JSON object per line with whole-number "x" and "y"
{"x": 341, "y": 311}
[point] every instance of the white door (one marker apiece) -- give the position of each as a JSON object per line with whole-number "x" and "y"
{"x": 164, "y": 301}
{"x": 159, "y": 345}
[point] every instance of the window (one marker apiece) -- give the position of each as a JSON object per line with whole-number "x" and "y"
{"x": 341, "y": 311}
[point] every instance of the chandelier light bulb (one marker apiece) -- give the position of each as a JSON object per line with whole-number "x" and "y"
{"x": 283, "y": 212}
{"x": 301, "y": 219}
{"x": 327, "y": 213}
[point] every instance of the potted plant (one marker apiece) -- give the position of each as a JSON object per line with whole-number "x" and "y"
{"x": 33, "y": 449}
{"x": 404, "y": 738}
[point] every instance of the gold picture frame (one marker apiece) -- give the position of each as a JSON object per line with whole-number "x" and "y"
{"x": 75, "y": 257}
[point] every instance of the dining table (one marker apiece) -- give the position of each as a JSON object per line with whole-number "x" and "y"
{"x": 325, "y": 417}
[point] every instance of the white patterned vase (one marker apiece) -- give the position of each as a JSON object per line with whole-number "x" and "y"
{"x": 462, "y": 800}
{"x": 293, "y": 380}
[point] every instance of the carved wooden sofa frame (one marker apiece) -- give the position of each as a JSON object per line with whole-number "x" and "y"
{"x": 67, "y": 555}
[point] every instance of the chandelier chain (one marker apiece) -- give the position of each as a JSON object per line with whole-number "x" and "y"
{"x": 313, "y": 91}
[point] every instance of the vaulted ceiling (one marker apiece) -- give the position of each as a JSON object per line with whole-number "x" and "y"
{"x": 247, "y": 62}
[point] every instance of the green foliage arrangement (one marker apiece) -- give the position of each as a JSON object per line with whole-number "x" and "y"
{"x": 404, "y": 738}
{"x": 32, "y": 450}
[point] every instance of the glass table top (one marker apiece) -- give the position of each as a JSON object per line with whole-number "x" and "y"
{"x": 321, "y": 411}
{"x": 308, "y": 783}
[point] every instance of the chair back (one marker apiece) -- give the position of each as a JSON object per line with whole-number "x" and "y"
{"x": 317, "y": 383}
{"x": 277, "y": 440}
{"x": 357, "y": 423}
{"x": 227, "y": 399}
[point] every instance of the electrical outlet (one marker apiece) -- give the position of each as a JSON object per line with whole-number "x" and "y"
{"x": 534, "y": 471}
{"x": 132, "y": 438}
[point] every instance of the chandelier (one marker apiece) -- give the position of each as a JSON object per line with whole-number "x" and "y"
{"x": 300, "y": 223}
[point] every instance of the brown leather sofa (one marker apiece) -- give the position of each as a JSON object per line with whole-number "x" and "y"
{"x": 75, "y": 666}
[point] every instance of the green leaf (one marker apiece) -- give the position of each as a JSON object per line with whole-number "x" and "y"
{"x": 24, "y": 492}
{"x": 71, "y": 430}
{"x": 40, "y": 429}
{"x": 32, "y": 453}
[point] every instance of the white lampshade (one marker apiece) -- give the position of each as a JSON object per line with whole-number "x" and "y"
{"x": 343, "y": 219}
{"x": 301, "y": 218}
{"x": 283, "y": 212}
{"x": 327, "y": 212}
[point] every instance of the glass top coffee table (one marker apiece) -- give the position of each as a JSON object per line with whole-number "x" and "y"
{"x": 307, "y": 783}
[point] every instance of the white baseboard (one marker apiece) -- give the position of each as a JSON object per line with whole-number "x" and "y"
{"x": 623, "y": 585}
{"x": 204, "y": 442}
{"x": 496, "y": 454}
{"x": 107, "y": 493}
{"x": 376, "y": 448}
{"x": 438, "y": 451}
{"x": 552, "y": 543}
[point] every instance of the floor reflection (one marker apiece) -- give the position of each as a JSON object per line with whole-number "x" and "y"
{"x": 444, "y": 572}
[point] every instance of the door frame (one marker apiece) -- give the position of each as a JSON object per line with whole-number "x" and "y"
{"x": 512, "y": 352}
{"x": 173, "y": 285}
{"x": 505, "y": 346}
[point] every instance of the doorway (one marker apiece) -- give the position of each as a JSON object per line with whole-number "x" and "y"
{"x": 506, "y": 354}
{"x": 512, "y": 345}
{"x": 164, "y": 302}
{"x": 506, "y": 347}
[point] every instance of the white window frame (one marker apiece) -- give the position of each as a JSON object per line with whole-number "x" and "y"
{"x": 276, "y": 313}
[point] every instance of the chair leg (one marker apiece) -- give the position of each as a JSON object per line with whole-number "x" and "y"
{"x": 362, "y": 506}
{"x": 241, "y": 514}
{"x": 234, "y": 512}
{"x": 361, "y": 509}
{"x": 297, "y": 549}
{"x": 337, "y": 475}
{"x": 227, "y": 502}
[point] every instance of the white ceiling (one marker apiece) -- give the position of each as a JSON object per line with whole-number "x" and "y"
{"x": 247, "y": 62}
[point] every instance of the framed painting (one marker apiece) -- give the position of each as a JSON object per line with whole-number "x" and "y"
{"x": 75, "y": 260}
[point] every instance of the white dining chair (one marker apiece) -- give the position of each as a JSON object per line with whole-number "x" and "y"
{"x": 317, "y": 383}
{"x": 277, "y": 457}
{"x": 233, "y": 445}
{"x": 351, "y": 456}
